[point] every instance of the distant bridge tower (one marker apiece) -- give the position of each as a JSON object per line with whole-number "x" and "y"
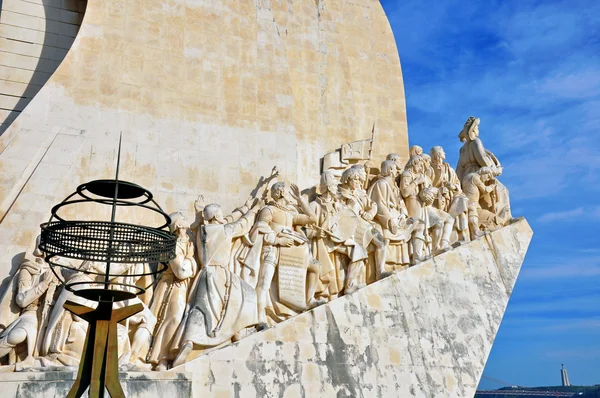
{"x": 564, "y": 376}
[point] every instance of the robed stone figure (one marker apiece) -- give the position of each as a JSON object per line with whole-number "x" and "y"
{"x": 222, "y": 306}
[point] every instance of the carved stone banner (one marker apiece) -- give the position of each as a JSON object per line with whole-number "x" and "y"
{"x": 293, "y": 264}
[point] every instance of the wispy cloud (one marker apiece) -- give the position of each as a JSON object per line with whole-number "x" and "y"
{"x": 562, "y": 271}
{"x": 562, "y": 215}
{"x": 574, "y": 355}
{"x": 575, "y": 215}
{"x": 577, "y": 266}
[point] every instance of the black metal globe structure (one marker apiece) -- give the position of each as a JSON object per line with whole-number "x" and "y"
{"x": 113, "y": 246}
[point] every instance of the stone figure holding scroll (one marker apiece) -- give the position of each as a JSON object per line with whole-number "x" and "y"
{"x": 170, "y": 296}
{"x": 19, "y": 312}
{"x": 276, "y": 244}
{"x": 450, "y": 197}
{"x": 331, "y": 237}
{"x": 392, "y": 216}
{"x": 221, "y": 305}
{"x": 355, "y": 197}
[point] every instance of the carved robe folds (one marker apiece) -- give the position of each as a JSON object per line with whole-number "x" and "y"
{"x": 31, "y": 285}
{"x": 392, "y": 217}
{"x": 221, "y": 303}
{"x": 170, "y": 301}
{"x": 332, "y": 244}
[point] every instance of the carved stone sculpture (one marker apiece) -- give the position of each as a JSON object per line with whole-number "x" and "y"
{"x": 134, "y": 352}
{"x": 416, "y": 150}
{"x": 276, "y": 245}
{"x": 450, "y": 196}
{"x": 332, "y": 244}
{"x": 392, "y": 215}
{"x": 65, "y": 334}
{"x": 419, "y": 195}
{"x": 170, "y": 296}
{"x": 221, "y": 305}
{"x": 255, "y": 267}
{"x": 474, "y": 156}
{"x": 33, "y": 280}
{"x": 476, "y": 186}
{"x": 355, "y": 197}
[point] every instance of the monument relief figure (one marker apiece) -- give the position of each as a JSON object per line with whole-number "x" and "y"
{"x": 416, "y": 150}
{"x": 392, "y": 215}
{"x": 450, "y": 198}
{"x": 63, "y": 341}
{"x": 235, "y": 215}
{"x": 331, "y": 237}
{"x": 476, "y": 186}
{"x": 394, "y": 157}
{"x": 65, "y": 334}
{"x": 170, "y": 296}
{"x": 355, "y": 197}
{"x": 419, "y": 195}
{"x": 221, "y": 305}
{"x": 19, "y": 313}
{"x": 133, "y": 352}
{"x": 276, "y": 245}
{"x": 474, "y": 156}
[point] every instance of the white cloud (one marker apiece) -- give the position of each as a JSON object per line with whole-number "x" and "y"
{"x": 578, "y": 84}
{"x": 575, "y": 214}
{"x": 566, "y": 270}
{"x": 562, "y": 215}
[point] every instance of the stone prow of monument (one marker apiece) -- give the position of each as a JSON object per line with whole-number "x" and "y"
{"x": 423, "y": 332}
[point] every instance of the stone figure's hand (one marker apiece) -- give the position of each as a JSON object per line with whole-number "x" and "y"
{"x": 255, "y": 203}
{"x": 285, "y": 241}
{"x": 367, "y": 216}
{"x": 489, "y": 188}
{"x": 199, "y": 204}
{"x": 48, "y": 278}
{"x": 250, "y": 202}
{"x": 315, "y": 233}
{"x": 295, "y": 192}
{"x": 274, "y": 172}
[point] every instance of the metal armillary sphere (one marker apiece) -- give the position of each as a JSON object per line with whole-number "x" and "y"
{"x": 108, "y": 244}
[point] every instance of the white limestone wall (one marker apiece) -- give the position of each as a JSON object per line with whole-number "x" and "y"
{"x": 35, "y": 36}
{"x": 209, "y": 96}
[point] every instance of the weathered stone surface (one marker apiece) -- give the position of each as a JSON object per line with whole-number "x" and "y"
{"x": 423, "y": 332}
{"x": 209, "y": 95}
{"x": 58, "y": 384}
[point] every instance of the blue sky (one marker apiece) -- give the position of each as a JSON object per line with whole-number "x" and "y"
{"x": 531, "y": 71}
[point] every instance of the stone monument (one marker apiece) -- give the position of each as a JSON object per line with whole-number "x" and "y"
{"x": 333, "y": 278}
